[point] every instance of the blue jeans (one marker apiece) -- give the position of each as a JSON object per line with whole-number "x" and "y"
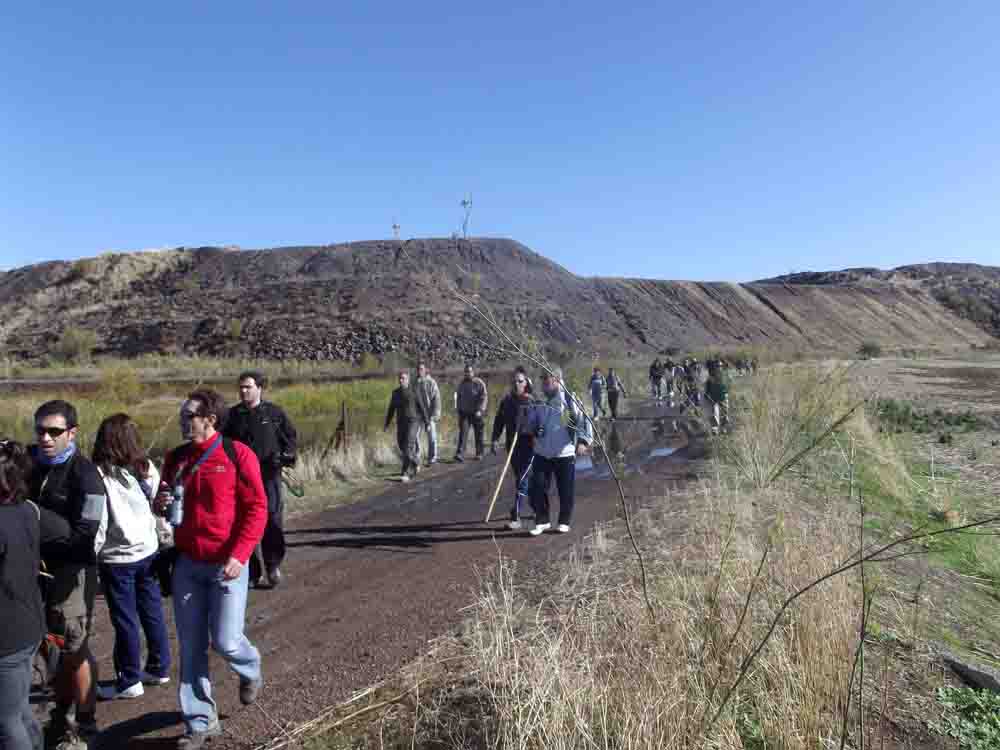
{"x": 132, "y": 591}
{"x": 18, "y": 728}
{"x": 543, "y": 470}
{"x": 209, "y": 609}
{"x": 520, "y": 464}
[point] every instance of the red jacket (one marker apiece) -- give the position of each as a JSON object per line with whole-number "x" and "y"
{"x": 223, "y": 518}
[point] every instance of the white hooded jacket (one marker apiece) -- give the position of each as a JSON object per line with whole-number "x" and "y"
{"x": 130, "y": 526}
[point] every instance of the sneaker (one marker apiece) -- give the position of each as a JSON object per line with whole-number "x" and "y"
{"x": 514, "y": 525}
{"x": 154, "y": 680}
{"x": 459, "y": 459}
{"x": 112, "y": 693}
{"x": 416, "y": 469}
{"x": 69, "y": 740}
{"x": 432, "y": 461}
{"x": 540, "y": 528}
{"x": 192, "y": 740}
{"x": 249, "y": 689}
{"x": 404, "y": 477}
{"x": 563, "y": 528}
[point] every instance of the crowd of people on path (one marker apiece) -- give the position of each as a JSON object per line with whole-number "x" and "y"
{"x": 202, "y": 530}
{"x": 208, "y": 526}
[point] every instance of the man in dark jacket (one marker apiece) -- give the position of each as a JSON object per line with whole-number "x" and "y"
{"x": 616, "y": 389}
{"x": 270, "y": 434}
{"x": 68, "y": 487}
{"x": 409, "y": 415}
{"x": 512, "y": 418}
{"x": 470, "y": 403}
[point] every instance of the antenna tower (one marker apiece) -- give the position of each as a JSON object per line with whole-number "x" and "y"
{"x": 395, "y": 230}
{"x": 467, "y": 207}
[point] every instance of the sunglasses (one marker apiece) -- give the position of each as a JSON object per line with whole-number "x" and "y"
{"x": 520, "y": 381}
{"x": 185, "y": 414}
{"x": 52, "y": 432}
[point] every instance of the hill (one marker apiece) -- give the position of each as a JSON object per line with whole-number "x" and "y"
{"x": 343, "y": 301}
{"x": 969, "y": 290}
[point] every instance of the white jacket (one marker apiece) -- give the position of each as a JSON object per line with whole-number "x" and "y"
{"x": 130, "y": 534}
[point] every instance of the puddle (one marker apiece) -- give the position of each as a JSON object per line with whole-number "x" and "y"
{"x": 662, "y": 452}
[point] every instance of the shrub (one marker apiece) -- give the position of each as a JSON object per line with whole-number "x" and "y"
{"x": 121, "y": 383}
{"x": 75, "y": 345}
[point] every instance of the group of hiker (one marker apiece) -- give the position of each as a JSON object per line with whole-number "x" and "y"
{"x": 691, "y": 383}
{"x": 544, "y": 435}
{"x": 193, "y": 531}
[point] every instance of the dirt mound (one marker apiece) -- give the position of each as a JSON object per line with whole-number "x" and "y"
{"x": 345, "y": 301}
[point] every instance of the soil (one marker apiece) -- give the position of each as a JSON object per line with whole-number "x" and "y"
{"x": 369, "y": 585}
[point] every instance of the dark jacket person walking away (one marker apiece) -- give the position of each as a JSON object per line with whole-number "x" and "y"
{"x": 616, "y": 389}
{"x": 270, "y": 434}
{"x": 410, "y": 416}
{"x": 213, "y": 494}
{"x": 20, "y": 599}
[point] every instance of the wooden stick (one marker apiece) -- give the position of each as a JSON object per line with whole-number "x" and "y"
{"x": 503, "y": 474}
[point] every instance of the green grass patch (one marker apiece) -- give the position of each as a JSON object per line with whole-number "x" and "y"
{"x": 970, "y": 716}
{"x": 902, "y": 416}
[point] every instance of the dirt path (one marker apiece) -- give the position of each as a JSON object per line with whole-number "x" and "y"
{"x": 369, "y": 584}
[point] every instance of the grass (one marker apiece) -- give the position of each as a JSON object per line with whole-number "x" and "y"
{"x": 971, "y": 716}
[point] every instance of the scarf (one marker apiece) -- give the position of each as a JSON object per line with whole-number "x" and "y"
{"x": 59, "y": 458}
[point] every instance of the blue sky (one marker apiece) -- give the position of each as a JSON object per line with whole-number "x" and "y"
{"x": 724, "y": 141}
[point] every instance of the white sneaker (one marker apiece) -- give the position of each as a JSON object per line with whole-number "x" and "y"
{"x": 563, "y": 528}
{"x": 153, "y": 680}
{"x": 111, "y": 693}
{"x": 513, "y": 525}
{"x": 540, "y": 528}
{"x": 404, "y": 478}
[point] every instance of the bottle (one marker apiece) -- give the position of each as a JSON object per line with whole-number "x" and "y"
{"x": 177, "y": 506}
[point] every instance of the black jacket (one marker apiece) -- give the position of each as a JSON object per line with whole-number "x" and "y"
{"x": 511, "y": 414}
{"x": 405, "y": 407}
{"x": 20, "y": 597}
{"x": 267, "y": 430}
{"x": 72, "y": 496}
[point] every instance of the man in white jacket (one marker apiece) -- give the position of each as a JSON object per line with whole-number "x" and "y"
{"x": 562, "y": 432}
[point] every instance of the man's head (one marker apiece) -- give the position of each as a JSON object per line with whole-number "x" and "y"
{"x": 422, "y": 371}
{"x": 202, "y": 414}
{"x": 469, "y": 372}
{"x": 551, "y": 382}
{"x": 55, "y": 427}
{"x": 597, "y": 370}
{"x": 404, "y": 378}
{"x": 252, "y": 384}
{"x": 519, "y": 382}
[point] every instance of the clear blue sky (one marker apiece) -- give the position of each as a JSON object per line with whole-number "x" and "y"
{"x": 673, "y": 140}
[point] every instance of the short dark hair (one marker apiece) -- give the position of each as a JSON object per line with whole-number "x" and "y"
{"x": 57, "y": 408}
{"x": 258, "y": 377}
{"x": 15, "y": 468}
{"x": 118, "y": 445}
{"x": 211, "y": 402}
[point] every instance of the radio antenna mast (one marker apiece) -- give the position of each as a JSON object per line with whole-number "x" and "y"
{"x": 467, "y": 207}
{"x": 395, "y": 229}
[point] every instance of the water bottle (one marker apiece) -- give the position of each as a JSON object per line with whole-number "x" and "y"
{"x": 177, "y": 506}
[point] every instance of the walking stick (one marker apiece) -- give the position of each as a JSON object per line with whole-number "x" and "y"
{"x": 503, "y": 474}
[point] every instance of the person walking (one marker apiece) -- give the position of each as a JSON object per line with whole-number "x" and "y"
{"x": 562, "y": 432}
{"x": 270, "y": 434}
{"x": 215, "y": 496}
{"x": 67, "y": 485}
{"x": 404, "y": 406}
{"x": 512, "y": 419}
{"x": 126, "y": 558}
{"x": 20, "y": 599}
{"x": 428, "y": 397}
{"x": 597, "y": 387}
{"x": 616, "y": 389}
{"x": 656, "y": 379}
{"x": 470, "y": 401}
{"x": 716, "y": 398}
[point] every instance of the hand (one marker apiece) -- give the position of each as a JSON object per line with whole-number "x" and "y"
{"x": 232, "y": 569}
{"x": 493, "y": 448}
{"x": 479, "y": 414}
{"x": 162, "y": 502}
{"x": 582, "y": 449}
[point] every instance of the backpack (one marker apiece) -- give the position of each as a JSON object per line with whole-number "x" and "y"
{"x": 229, "y": 448}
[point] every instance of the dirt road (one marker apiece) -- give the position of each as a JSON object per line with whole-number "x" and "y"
{"x": 369, "y": 584}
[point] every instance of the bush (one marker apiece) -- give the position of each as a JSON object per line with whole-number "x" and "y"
{"x": 870, "y": 350}
{"x": 75, "y": 345}
{"x": 121, "y": 383}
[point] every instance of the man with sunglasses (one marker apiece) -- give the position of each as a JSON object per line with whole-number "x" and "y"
{"x": 70, "y": 494}
{"x": 512, "y": 417}
{"x": 223, "y": 520}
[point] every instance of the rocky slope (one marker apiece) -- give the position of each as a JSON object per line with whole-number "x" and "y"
{"x": 343, "y": 301}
